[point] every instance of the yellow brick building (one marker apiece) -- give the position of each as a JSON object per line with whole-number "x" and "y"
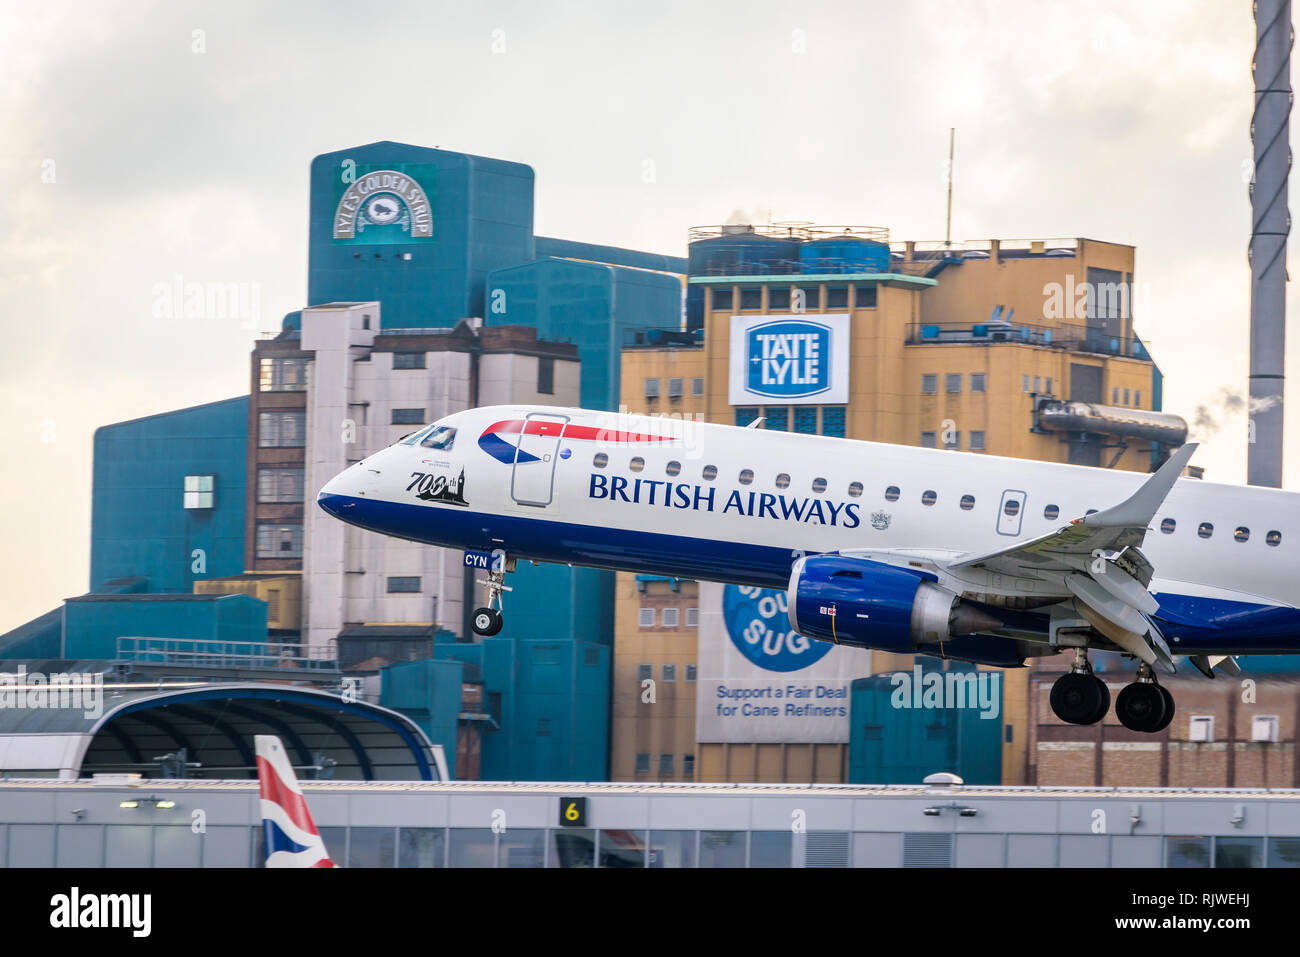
{"x": 950, "y": 346}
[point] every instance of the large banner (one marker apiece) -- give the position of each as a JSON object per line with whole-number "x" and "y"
{"x": 760, "y": 682}
{"x": 789, "y": 360}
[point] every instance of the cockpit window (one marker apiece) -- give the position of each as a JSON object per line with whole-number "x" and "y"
{"x": 415, "y": 437}
{"x": 441, "y": 437}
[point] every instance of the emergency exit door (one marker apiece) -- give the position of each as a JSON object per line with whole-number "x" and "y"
{"x": 532, "y": 480}
{"x": 1011, "y": 512}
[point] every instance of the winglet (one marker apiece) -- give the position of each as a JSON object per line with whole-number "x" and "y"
{"x": 1138, "y": 510}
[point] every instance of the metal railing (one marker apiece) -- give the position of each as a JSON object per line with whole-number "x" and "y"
{"x": 1066, "y": 336}
{"x": 208, "y": 653}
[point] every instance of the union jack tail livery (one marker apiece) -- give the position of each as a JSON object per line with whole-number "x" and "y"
{"x": 288, "y": 831}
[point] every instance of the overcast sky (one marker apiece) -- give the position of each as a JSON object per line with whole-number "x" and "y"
{"x": 1115, "y": 121}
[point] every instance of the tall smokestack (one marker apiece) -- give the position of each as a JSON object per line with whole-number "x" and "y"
{"x": 1270, "y": 223}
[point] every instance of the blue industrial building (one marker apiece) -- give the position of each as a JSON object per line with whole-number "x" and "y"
{"x": 93, "y": 623}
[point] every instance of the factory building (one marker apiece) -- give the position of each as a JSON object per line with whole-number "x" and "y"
{"x": 1015, "y": 348}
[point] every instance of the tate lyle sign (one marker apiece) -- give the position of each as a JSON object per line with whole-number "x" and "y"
{"x": 789, "y": 360}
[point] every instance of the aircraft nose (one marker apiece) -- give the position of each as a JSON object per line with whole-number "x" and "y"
{"x": 338, "y": 495}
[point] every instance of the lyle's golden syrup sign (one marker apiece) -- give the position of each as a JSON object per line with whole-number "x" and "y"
{"x": 382, "y": 206}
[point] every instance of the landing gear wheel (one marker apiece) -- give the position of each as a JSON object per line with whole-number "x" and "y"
{"x": 1141, "y": 706}
{"x": 1169, "y": 708}
{"x": 1080, "y": 698}
{"x": 486, "y": 622}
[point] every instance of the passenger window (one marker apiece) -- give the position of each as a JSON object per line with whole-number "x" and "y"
{"x": 746, "y": 476}
{"x": 967, "y": 502}
{"x": 1012, "y": 507}
{"x": 673, "y": 468}
{"x": 1242, "y": 534}
{"x": 600, "y": 461}
{"x": 783, "y": 481}
{"x": 855, "y": 489}
{"x": 1051, "y": 513}
{"x": 929, "y": 497}
{"x": 1273, "y": 538}
{"x": 1205, "y": 529}
{"x": 710, "y": 473}
{"x": 819, "y": 485}
{"x": 892, "y": 493}
{"x": 1168, "y": 525}
{"x": 637, "y": 464}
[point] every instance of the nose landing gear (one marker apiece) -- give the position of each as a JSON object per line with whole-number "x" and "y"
{"x": 1080, "y": 697}
{"x": 1145, "y": 705}
{"x": 487, "y": 620}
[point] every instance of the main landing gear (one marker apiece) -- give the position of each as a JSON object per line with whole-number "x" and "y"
{"x": 1080, "y": 697}
{"x": 1145, "y": 705}
{"x": 487, "y": 620}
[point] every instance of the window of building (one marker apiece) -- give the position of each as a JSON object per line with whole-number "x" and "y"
{"x": 1137, "y": 398}
{"x": 665, "y": 764}
{"x": 282, "y": 374}
{"x": 697, "y": 386}
{"x": 652, "y": 388}
{"x": 545, "y": 375}
{"x": 977, "y": 440}
{"x": 637, "y": 464}
{"x": 833, "y": 421}
{"x": 643, "y": 764}
{"x": 675, "y": 388}
{"x": 692, "y": 621}
{"x": 670, "y": 671}
{"x": 688, "y": 765}
{"x": 819, "y": 484}
{"x": 745, "y": 415}
{"x": 978, "y": 381}
{"x": 855, "y": 489}
{"x": 670, "y": 617}
{"x": 673, "y": 468}
{"x": 200, "y": 491}
{"x": 409, "y": 583}
{"x": 837, "y": 297}
{"x": 1126, "y": 397}
{"x": 409, "y": 360}
{"x": 864, "y": 297}
{"x": 967, "y": 503}
{"x": 778, "y": 297}
{"x": 644, "y": 672}
{"x": 1114, "y": 395}
{"x": 1205, "y": 529}
{"x": 783, "y": 480}
{"x": 751, "y": 299}
{"x": 929, "y": 383}
{"x": 746, "y": 477}
{"x": 1051, "y": 512}
{"x": 892, "y": 493}
{"x": 407, "y": 417}
{"x": 1038, "y": 383}
{"x": 279, "y": 540}
{"x": 690, "y": 672}
{"x": 952, "y": 439}
{"x": 1273, "y": 538}
{"x": 770, "y": 848}
{"x": 1047, "y": 385}
{"x": 776, "y": 419}
{"x": 600, "y": 460}
{"x": 952, "y": 382}
{"x": 928, "y": 440}
{"x": 929, "y": 497}
{"x": 805, "y": 419}
{"x": 1200, "y": 728}
{"x": 721, "y": 298}
{"x": 647, "y": 619}
{"x": 280, "y": 485}
{"x": 281, "y": 430}
{"x": 812, "y": 297}
{"x": 709, "y": 473}
{"x": 1242, "y": 534}
{"x": 1026, "y": 384}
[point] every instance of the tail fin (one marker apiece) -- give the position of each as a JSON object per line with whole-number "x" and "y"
{"x": 288, "y": 831}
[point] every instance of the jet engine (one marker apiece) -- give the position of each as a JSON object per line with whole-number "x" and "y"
{"x": 855, "y": 601}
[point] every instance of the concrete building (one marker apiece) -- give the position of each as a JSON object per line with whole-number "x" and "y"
{"x": 973, "y": 346}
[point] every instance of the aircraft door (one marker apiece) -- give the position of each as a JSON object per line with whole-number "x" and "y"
{"x": 1011, "y": 512}
{"x": 532, "y": 480}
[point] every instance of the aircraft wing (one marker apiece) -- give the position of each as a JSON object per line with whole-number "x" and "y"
{"x": 1096, "y": 561}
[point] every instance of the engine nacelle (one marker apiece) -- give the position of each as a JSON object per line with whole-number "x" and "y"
{"x": 855, "y": 601}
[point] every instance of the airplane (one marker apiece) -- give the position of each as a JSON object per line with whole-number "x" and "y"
{"x": 288, "y": 831}
{"x": 952, "y": 554}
